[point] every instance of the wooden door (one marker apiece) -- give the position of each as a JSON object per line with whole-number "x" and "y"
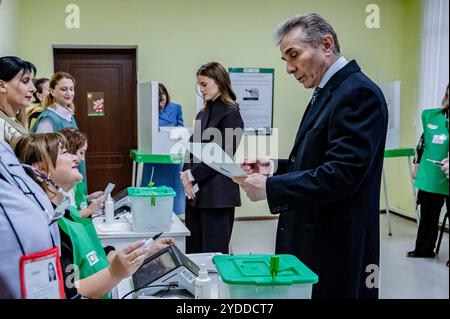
{"x": 110, "y": 74}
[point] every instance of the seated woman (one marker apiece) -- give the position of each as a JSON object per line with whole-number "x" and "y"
{"x": 77, "y": 145}
{"x": 88, "y": 269}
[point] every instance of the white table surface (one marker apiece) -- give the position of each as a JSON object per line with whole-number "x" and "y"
{"x": 125, "y": 235}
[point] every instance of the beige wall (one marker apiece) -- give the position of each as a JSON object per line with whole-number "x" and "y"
{"x": 9, "y": 27}
{"x": 175, "y": 37}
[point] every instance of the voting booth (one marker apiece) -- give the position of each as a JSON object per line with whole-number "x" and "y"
{"x": 158, "y": 158}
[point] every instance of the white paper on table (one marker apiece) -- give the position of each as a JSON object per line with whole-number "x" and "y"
{"x": 213, "y": 156}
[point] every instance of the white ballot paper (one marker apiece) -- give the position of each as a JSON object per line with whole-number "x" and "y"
{"x": 213, "y": 156}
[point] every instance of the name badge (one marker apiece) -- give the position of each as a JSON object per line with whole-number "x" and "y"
{"x": 439, "y": 139}
{"x": 92, "y": 258}
{"x": 41, "y": 276}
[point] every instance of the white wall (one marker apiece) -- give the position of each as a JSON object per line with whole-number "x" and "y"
{"x": 434, "y": 74}
{"x": 9, "y": 17}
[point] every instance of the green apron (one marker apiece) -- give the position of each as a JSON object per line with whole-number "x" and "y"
{"x": 430, "y": 178}
{"x": 58, "y": 124}
{"x": 80, "y": 196}
{"x": 88, "y": 253}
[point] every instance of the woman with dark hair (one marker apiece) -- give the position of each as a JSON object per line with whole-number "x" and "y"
{"x": 431, "y": 180}
{"x": 34, "y": 110}
{"x": 16, "y": 92}
{"x": 170, "y": 114}
{"x": 210, "y": 210}
{"x": 51, "y": 272}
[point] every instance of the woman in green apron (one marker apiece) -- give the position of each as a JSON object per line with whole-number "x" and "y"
{"x": 88, "y": 269}
{"x": 431, "y": 181}
{"x": 77, "y": 145}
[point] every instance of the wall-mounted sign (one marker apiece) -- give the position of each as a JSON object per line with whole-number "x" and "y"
{"x": 95, "y": 104}
{"x": 254, "y": 91}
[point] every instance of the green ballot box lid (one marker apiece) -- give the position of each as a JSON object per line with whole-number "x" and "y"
{"x": 257, "y": 270}
{"x": 162, "y": 191}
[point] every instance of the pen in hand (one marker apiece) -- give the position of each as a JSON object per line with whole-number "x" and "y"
{"x": 435, "y": 162}
{"x": 149, "y": 242}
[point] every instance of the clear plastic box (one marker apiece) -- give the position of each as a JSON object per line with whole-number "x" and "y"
{"x": 151, "y": 208}
{"x": 250, "y": 277}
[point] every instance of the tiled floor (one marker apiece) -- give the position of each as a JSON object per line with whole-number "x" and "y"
{"x": 400, "y": 277}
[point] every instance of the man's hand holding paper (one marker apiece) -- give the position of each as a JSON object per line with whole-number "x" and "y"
{"x": 254, "y": 184}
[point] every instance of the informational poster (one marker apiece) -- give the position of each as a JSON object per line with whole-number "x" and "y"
{"x": 254, "y": 90}
{"x": 391, "y": 93}
{"x": 95, "y": 104}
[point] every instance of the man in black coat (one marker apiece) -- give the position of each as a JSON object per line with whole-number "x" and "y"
{"x": 327, "y": 193}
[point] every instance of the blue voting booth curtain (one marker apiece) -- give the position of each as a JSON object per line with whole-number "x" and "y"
{"x": 167, "y": 175}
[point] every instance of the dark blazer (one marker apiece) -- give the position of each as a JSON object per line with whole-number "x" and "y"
{"x": 216, "y": 190}
{"x": 328, "y": 192}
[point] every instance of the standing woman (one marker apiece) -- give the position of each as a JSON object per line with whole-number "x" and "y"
{"x": 431, "y": 180}
{"x": 16, "y": 92}
{"x": 210, "y": 211}
{"x": 59, "y": 109}
{"x": 35, "y": 109}
{"x": 58, "y": 104}
{"x": 27, "y": 230}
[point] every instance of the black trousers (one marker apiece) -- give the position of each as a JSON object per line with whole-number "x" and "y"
{"x": 210, "y": 228}
{"x": 430, "y": 209}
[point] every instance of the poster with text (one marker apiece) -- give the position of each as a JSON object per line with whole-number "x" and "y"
{"x": 254, "y": 91}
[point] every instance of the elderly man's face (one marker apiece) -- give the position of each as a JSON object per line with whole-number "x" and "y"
{"x": 306, "y": 63}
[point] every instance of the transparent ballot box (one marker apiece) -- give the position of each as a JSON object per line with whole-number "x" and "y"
{"x": 263, "y": 277}
{"x": 151, "y": 208}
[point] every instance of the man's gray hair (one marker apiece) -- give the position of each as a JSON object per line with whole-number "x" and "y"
{"x": 314, "y": 29}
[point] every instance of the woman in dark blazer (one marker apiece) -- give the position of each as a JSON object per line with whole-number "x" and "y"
{"x": 210, "y": 210}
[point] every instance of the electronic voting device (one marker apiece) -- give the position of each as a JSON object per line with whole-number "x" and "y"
{"x": 169, "y": 267}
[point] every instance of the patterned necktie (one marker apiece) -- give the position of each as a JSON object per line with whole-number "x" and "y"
{"x": 315, "y": 94}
